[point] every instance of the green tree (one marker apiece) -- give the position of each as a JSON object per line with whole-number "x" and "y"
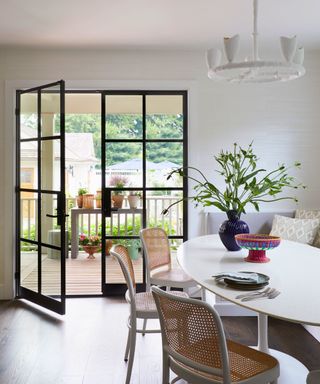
{"x": 128, "y": 126}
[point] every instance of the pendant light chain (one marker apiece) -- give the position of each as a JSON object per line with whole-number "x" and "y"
{"x": 255, "y": 30}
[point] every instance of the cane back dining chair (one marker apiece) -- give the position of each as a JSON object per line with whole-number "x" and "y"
{"x": 157, "y": 257}
{"x": 142, "y": 305}
{"x": 196, "y": 350}
{"x": 157, "y": 260}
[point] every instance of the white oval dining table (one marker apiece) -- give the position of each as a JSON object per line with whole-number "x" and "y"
{"x": 294, "y": 270}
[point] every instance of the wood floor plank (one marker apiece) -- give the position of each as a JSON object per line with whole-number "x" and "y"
{"x": 87, "y": 345}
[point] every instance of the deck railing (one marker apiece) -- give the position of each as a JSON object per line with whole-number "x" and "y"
{"x": 121, "y": 224}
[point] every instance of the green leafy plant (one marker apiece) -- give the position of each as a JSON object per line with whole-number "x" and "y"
{"x": 82, "y": 191}
{"x": 98, "y": 195}
{"x": 135, "y": 193}
{"x": 118, "y": 181}
{"x": 245, "y": 183}
{"x": 135, "y": 243}
{"x": 133, "y": 246}
{"x": 131, "y": 228}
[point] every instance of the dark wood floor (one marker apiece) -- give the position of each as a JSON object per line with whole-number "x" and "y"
{"x": 284, "y": 336}
{"x": 86, "y": 346}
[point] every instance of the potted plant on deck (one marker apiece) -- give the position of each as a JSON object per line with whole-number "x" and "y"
{"x": 117, "y": 197}
{"x": 90, "y": 244}
{"x": 245, "y": 184}
{"x": 98, "y": 198}
{"x": 81, "y": 192}
{"x": 133, "y": 246}
{"x": 134, "y": 199}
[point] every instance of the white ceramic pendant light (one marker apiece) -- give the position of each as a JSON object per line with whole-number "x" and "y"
{"x": 255, "y": 70}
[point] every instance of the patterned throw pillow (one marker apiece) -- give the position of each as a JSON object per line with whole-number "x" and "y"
{"x": 310, "y": 214}
{"x": 307, "y": 214}
{"x": 300, "y": 230}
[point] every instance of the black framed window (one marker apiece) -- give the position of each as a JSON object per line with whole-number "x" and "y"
{"x": 40, "y": 195}
{"x": 144, "y": 137}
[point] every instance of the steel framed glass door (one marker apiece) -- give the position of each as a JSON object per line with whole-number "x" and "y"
{"x": 144, "y": 136}
{"x": 41, "y": 238}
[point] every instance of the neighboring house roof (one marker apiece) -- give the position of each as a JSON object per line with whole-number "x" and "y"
{"x": 129, "y": 165}
{"x": 79, "y": 147}
{"x": 167, "y": 165}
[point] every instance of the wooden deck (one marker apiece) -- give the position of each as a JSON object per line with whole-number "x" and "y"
{"x": 83, "y": 276}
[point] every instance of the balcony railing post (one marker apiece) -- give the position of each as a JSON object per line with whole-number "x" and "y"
{"x": 154, "y": 206}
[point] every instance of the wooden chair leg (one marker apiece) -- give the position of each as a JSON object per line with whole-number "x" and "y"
{"x": 144, "y": 327}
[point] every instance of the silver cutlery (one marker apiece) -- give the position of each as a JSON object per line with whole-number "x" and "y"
{"x": 249, "y": 294}
{"x": 273, "y": 293}
{"x": 258, "y": 296}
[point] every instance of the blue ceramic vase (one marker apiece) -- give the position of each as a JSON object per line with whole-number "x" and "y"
{"x": 230, "y": 228}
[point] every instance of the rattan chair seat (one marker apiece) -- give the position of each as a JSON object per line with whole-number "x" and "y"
{"x": 145, "y": 304}
{"x": 159, "y": 268}
{"x": 175, "y": 276}
{"x": 245, "y": 362}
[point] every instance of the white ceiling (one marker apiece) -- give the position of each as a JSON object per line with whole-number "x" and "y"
{"x": 172, "y": 24}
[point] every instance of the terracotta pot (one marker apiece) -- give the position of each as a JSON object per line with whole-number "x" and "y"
{"x": 133, "y": 201}
{"x": 117, "y": 200}
{"x": 80, "y": 201}
{"x": 88, "y": 201}
{"x": 98, "y": 199}
{"x": 108, "y": 247}
{"x": 91, "y": 249}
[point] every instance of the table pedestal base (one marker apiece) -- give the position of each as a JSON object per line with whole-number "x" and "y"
{"x": 291, "y": 370}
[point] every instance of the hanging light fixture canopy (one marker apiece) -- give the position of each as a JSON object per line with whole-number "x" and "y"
{"x": 253, "y": 69}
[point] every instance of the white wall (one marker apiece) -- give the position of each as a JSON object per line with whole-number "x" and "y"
{"x": 282, "y": 119}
